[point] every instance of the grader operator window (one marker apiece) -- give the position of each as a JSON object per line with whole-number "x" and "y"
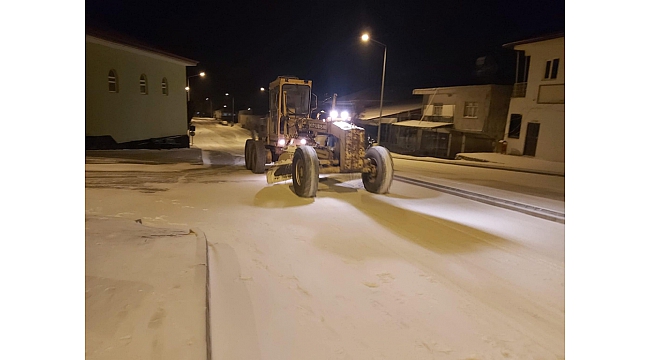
{"x": 297, "y": 99}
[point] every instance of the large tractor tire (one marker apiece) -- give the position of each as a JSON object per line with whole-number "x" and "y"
{"x": 258, "y": 157}
{"x": 247, "y": 154}
{"x": 304, "y": 171}
{"x": 379, "y": 179}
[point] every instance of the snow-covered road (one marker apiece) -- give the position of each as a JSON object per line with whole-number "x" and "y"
{"x": 416, "y": 274}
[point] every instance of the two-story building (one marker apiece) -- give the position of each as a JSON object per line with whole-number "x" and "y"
{"x": 536, "y": 115}
{"x": 454, "y": 120}
{"x": 135, "y": 94}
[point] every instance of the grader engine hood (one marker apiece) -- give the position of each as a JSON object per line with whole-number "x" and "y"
{"x": 351, "y": 140}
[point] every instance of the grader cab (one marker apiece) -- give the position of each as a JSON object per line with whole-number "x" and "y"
{"x": 301, "y": 146}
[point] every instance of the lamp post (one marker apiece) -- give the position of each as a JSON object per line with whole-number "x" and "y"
{"x": 233, "y": 109}
{"x": 187, "y": 85}
{"x": 366, "y": 37}
{"x": 206, "y": 99}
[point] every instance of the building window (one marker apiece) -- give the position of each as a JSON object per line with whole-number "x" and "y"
{"x": 551, "y": 69}
{"x": 143, "y": 84}
{"x": 164, "y": 86}
{"x": 112, "y": 81}
{"x": 437, "y": 109}
{"x": 471, "y": 110}
{"x": 515, "y": 126}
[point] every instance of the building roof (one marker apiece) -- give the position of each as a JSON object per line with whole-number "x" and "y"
{"x": 373, "y": 112}
{"x": 422, "y": 124}
{"x": 535, "y": 39}
{"x": 121, "y": 39}
{"x": 391, "y": 94}
{"x": 445, "y": 90}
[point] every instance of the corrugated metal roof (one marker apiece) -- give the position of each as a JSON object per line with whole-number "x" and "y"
{"x": 422, "y": 124}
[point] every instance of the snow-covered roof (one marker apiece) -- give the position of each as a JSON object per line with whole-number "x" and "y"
{"x": 373, "y": 113}
{"x": 534, "y": 40}
{"x": 114, "y": 39}
{"x": 422, "y": 124}
{"x": 447, "y": 89}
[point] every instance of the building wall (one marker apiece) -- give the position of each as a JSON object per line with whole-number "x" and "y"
{"x": 550, "y": 143}
{"x": 478, "y": 94}
{"x": 478, "y": 134}
{"x": 498, "y": 111}
{"x": 492, "y": 102}
{"x": 128, "y": 115}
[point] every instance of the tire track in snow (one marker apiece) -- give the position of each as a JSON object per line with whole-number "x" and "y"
{"x": 490, "y": 200}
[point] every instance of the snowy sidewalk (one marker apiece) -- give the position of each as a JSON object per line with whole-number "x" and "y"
{"x": 497, "y": 161}
{"x": 145, "y": 291}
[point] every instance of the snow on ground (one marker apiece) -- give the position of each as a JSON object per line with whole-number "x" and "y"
{"x": 416, "y": 274}
{"x": 145, "y": 291}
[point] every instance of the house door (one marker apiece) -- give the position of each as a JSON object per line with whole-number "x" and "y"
{"x": 532, "y": 132}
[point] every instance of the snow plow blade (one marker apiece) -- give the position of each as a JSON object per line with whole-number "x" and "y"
{"x": 278, "y": 173}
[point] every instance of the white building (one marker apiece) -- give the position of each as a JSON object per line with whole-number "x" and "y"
{"x": 536, "y": 115}
{"x": 135, "y": 95}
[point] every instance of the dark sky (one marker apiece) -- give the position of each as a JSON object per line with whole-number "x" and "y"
{"x": 243, "y": 45}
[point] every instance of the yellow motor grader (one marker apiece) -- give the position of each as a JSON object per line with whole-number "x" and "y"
{"x": 300, "y": 146}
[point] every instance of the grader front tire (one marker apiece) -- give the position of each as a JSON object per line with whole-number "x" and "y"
{"x": 378, "y": 181}
{"x": 304, "y": 171}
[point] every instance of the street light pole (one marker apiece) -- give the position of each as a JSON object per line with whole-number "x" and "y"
{"x": 187, "y": 87}
{"x": 381, "y": 97}
{"x": 366, "y": 37}
{"x": 233, "y": 109}
{"x": 211, "y": 115}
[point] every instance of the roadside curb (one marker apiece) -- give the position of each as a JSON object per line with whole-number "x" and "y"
{"x": 473, "y": 162}
{"x": 208, "y": 336}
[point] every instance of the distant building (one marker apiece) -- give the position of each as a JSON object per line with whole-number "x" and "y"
{"x": 536, "y": 115}
{"x": 224, "y": 114}
{"x": 368, "y": 118}
{"x": 135, "y": 95}
{"x": 454, "y": 120}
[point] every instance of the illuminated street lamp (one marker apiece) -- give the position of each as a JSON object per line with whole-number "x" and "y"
{"x": 187, "y": 87}
{"x": 261, "y": 89}
{"x": 365, "y": 38}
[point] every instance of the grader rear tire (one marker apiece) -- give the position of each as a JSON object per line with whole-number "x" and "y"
{"x": 258, "y": 157}
{"x": 247, "y": 154}
{"x": 378, "y": 181}
{"x": 304, "y": 172}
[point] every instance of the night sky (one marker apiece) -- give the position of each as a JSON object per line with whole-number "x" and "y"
{"x": 243, "y": 45}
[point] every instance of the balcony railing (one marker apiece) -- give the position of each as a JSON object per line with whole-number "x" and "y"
{"x": 519, "y": 90}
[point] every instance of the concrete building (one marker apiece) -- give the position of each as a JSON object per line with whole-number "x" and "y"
{"x": 536, "y": 115}
{"x": 135, "y": 95}
{"x": 390, "y": 114}
{"x": 454, "y": 120}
